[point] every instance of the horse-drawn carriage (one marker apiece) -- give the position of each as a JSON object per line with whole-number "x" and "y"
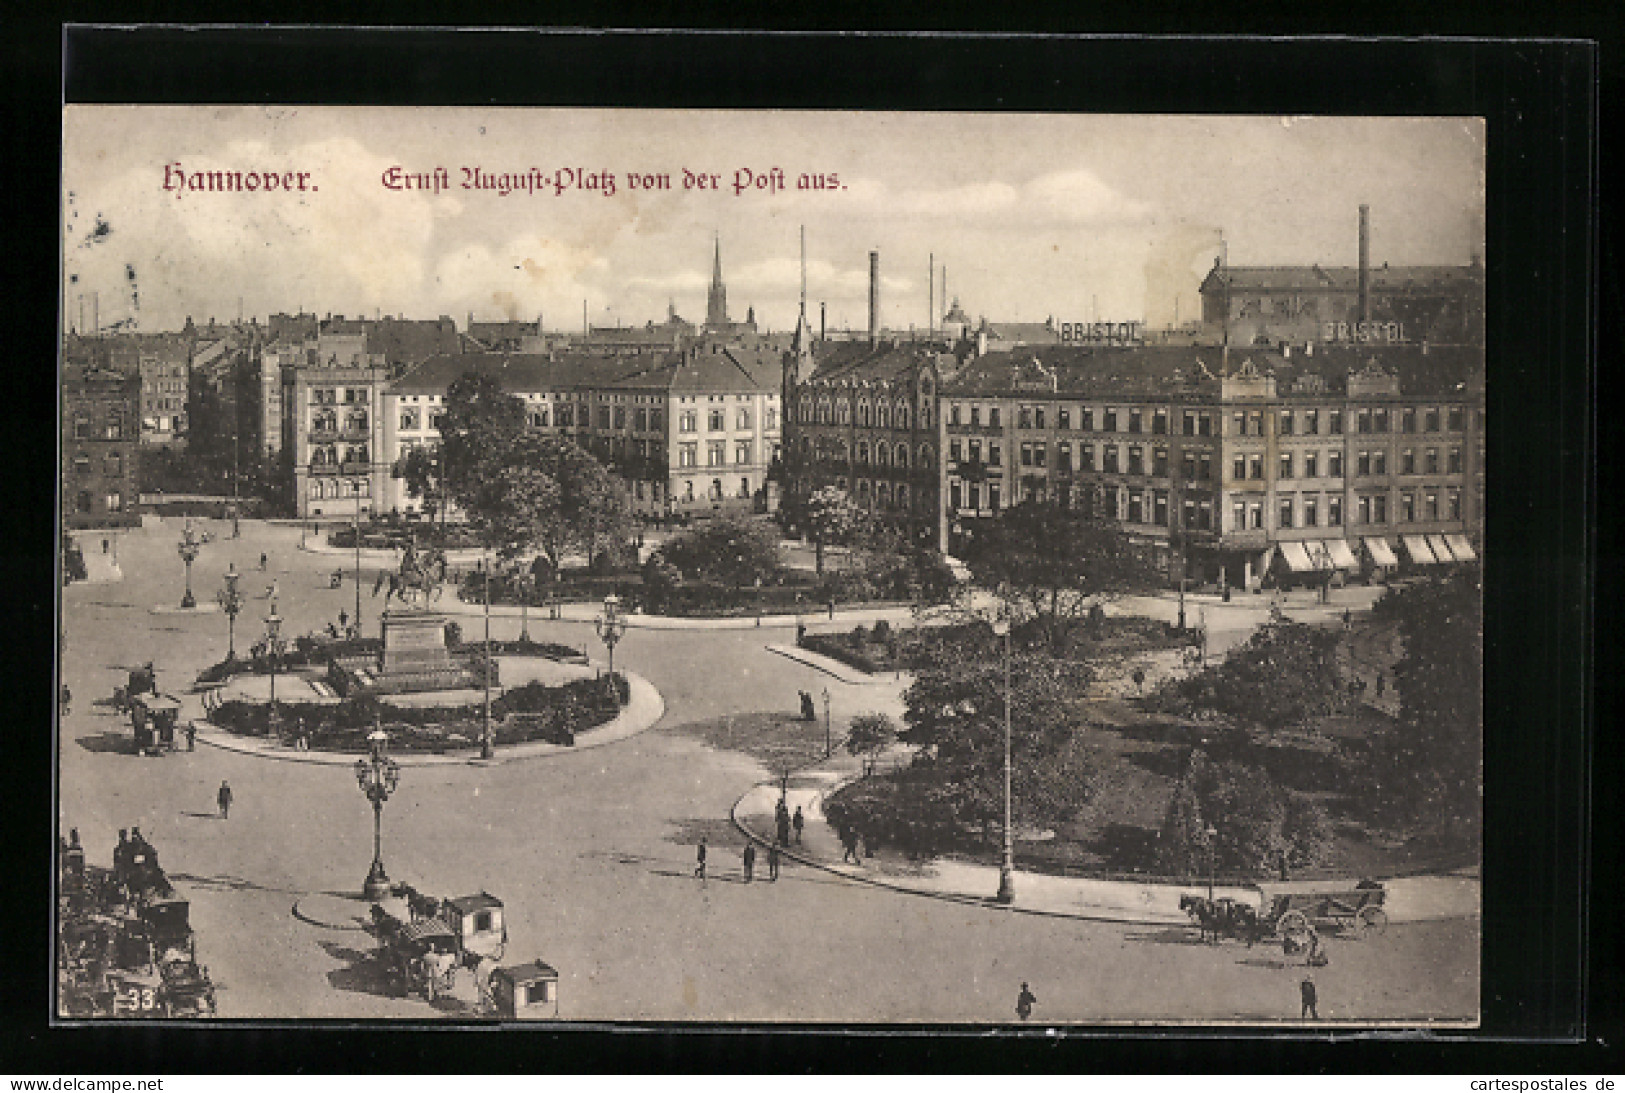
{"x": 1293, "y": 913}
{"x": 421, "y": 953}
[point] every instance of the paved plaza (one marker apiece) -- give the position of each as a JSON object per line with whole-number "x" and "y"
{"x": 592, "y": 850}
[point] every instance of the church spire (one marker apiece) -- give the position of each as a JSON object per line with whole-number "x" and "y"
{"x": 716, "y": 301}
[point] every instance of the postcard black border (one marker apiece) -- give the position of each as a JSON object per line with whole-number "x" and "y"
{"x": 1540, "y": 100}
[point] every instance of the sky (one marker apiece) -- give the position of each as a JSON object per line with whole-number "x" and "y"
{"x": 1071, "y": 217}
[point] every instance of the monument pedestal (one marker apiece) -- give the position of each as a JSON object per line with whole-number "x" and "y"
{"x": 414, "y": 641}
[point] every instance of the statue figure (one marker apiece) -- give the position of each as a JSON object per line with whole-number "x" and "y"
{"x": 418, "y": 580}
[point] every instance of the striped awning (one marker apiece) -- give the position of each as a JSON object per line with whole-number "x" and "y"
{"x": 1381, "y": 552}
{"x": 1342, "y": 556}
{"x": 1461, "y": 548}
{"x": 1297, "y": 559}
{"x": 426, "y": 930}
{"x": 1441, "y": 549}
{"x": 1417, "y": 547}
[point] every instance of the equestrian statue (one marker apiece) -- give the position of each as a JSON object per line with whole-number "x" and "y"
{"x": 417, "y": 582}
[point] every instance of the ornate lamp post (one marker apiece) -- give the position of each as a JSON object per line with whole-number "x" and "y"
{"x": 1209, "y": 836}
{"x": 188, "y": 549}
{"x": 524, "y": 580}
{"x": 230, "y": 599}
{"x": 1007, "y": 860}
{"x": 273, "y": 647}
{"x": 610, "y": 626}
{"x": 485, "y": 669}
{"x": 377, "y": 775}
{"x": 828, "y": 747}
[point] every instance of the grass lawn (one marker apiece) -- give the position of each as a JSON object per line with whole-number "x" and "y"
{"x": 779, "y": 741}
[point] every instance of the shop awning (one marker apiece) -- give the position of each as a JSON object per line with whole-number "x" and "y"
{"x": 1441, "y": 549}
{"x": 1342, "y": 556}
{"x": 1297, "y": 559}
{"x": 1381, "y": 552}
{"x": 1461, "y": 548}
{"x": 1417, "y": 547}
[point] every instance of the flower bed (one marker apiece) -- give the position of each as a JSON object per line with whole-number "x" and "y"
{"x": 534, "y": 711}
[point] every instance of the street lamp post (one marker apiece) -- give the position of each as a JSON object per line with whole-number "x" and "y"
{"x": 1209, "y": 835}
{"x": 273, "y": 644}
{"x": 377, "y": 775}
{"x": 358, "y": 566}
{"x": 1007, "y": 859}
{"x": 188, "y": 549}
{"x": 525, "y": 581}
{"x": 485, "y": 668}
{"x": 611, "y": 626}
{"x": 230, "y": 599}
{"x": 828, "y": 747}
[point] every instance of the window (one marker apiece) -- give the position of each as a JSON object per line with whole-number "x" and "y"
{"x": 1255, "y": 466}
{"x": 566, "y": 417}
{"x": 688, "y": 491}
{"x": 1136, "y": 508}
{"x": 1040, "y": 455}
{"x": 902, "y": 416}
{"x": 1363, "y": 509}
{"x": 1334, "y": 463}
{"x": 863, "y": 451}
{"x": 716, "y": 421}
{"x": 1063, "y": 455}
{"x": 620, "y": 417}
{"x": 1311, "y": 512}
{"x": 114, "y": 429}
{"x": 1285, "y": 513}
{"x": 744, "y": 487}
{"x": 992, "y": 417}
{"x": 656, "y": 420}
{"x": 1109, "y": 459}
{"x": 1255, "y": 515}
{"x": 1311, "y": 464}
{"x": 1238, "y": 422}
{"x": 1238, "y": 517}
{"x": 716, "y": 489}
{"x": 1431, "y": 419}
{"x": 81, "y": 464}
{"x": 863, "y": 412}
{"x": 1379, "y": 421}
{"x": 1063, "y": 418}
{"x": 115, "y": 501}
{"x": 1255, "y": 422}
{"x": 1407, "y": 461}
{"x": 1455, "y": 504}
{"x": 409, "y": 419}
{"x": 1086, "y": 419}
{"x": 975, "y": 415}
{"x": 993, "y": 496}
{"x": 1455, "y": 461}
{"x": 770, "y": 417}
{"x": 1159, "y": 463}
{"x": 954, "y": 450}
{"x": 1134, "y": 422}
{"x": 1136, "y": 459}
{"x": 536, "y": 419}
{"x": 1187, "y": 465}
{"x": 1432, "y": 463}
{"x": 1204, "y": 424}
{"x": 1407, "y": 420}
{"x": 1024, "y": 418}
{"x": 1204, "y": 466}
{"x": 1334, "y": 422}
{"x": 1311, "y": 422}
{"x": 1362, "y": 421}
{"x": 1238, "y": 469}
{"x": 687, "y": 454}
{"x": 113, "y": 465}
{"x": 1334, "y": 511}
{"x": 1284, "y": 425}
{"x": 1286, "y": 465}
{"x": 1407, "y": 508}
{"x": 1379, "y": 462}
{"x": 973, "y": 498}
{"x": 994, "y": 454}
{"x": 1190, "y": 423}
{"x": 687, "y": 421}
{"x": 1364, "y": 463}
{"x": 1432, "y": 505}
{"x": 1457, "y": 417}
{"x": 1109, "y": 421}
{"x": 1086, "y": 457}
{"x": 1159, "y": 508}
{"x": 1379, "y": 508}
{"x": 953, "y": 419}
{"x": 742, "y": 452}
{"x": 956, "y": 496}
{"x": 974, "y": 446}
{"x": 1026, "y": 454}
{"x": 1159, "y": 422}
{"x": 902, "y": 455}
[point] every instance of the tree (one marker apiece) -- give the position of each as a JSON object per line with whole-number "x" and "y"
{"x": 868, "y": 736}
{"x": 1054, "y": 562}
{"x": 831, "y": 517}
{"x": 729, "y": 549}
{"x": 1285, "y": 673}
{"x": 1257, "y": 824}
{"x": 1432, "y": 762}
{"x": 480, "y": 424}
{"x": 419, "y": 469}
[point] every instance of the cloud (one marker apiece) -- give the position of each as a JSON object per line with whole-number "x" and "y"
{"x": 1057, "y": 198}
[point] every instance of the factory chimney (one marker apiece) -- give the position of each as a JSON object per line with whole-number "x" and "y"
{"x": 874, "y": 297}
{"x": 1365, "y": 263}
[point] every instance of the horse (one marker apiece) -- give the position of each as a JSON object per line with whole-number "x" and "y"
{"x": 418, "y": 905}
{"x": 417, "y": 577}
{"x": 1217, "y": 918}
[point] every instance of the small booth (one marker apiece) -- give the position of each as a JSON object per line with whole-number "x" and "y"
{"x": 526, "y": 992}
{"x": 154, "y": 717}
{"x": 478, "y": 924}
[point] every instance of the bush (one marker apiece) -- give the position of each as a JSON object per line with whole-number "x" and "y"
{"x": 454, "y": 634}
{"x": 1257, "y": 823}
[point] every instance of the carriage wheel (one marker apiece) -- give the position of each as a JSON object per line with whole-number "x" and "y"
{"x": 1370, "y": 922}
{"x": 1294, "y": 925}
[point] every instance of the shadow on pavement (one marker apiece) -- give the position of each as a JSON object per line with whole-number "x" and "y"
{"x": 202, "y": 815}
{"x": 717, "y": 833}
{"x": 1173, "y": 935}
{"x": 363, "y": 972}
{"x": 108, "y": 743}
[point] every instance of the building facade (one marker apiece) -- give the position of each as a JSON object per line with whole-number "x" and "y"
{"x": 1273, "y": 468}
{"x": 330, "y": 429}
{"x": 101, "y": 434}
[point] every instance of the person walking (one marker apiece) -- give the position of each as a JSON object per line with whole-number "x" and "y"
{"x": 798, "y": 821}
{"x": 773, "y": 863}
{"x": 263, "y": 561}
{"x": 1382, "y": 684}
{"x": 223, "y": 798}
{"x": 849, "y": 846}
{"x": 699, "y": 859}
{"x": 749, "y": 858}
{"x": 1307, "y": 990}
{"x": 1024, "y": 1002}
{"x": 191, "y": 735}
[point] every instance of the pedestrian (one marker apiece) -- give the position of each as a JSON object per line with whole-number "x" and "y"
{"x": 191, "y": 735}
{"x": 773, "y": 863}
{"x": 849, "y": 846}
{"x": 1348, "y": 620}
{"x": 65, "y": 698}
{"x": 344, "y": 621}
{"x": 699, "y": 859}
{"x": 1307, "y": 990}
{"x": 750, "y": 861}
{"x": 1382, "y": 684}
{"x": 798, "y": 821}
{"x": 263, "y": 561}
{"x": 224, "y": 800}
{"x": 121, "y": 858}
{"x": 1024, "y": 1003}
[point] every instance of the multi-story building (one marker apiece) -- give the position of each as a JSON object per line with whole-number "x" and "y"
{"x": 691, "y": 431}
{"x": 863, "y": 417}
{"x": 330, "y": 428}
{"x": 165, "y": 369}
{"x": 1298, "y": 463}
{"x": 101, "y": 433}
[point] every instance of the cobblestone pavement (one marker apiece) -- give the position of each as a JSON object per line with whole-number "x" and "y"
{"x": 593, "y": 853}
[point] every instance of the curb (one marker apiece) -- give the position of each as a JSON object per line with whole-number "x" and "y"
{"x": 830, "y": 666}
